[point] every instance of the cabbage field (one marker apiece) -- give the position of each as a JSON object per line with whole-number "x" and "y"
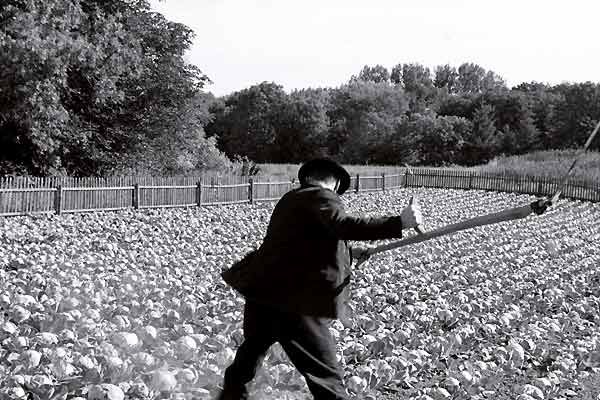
{"x": 116, "y": 305}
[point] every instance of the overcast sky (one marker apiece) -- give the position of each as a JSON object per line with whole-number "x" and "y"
{"x": 322, "y": 43}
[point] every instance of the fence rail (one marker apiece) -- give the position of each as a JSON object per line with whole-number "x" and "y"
{"x": 30, "y": 195}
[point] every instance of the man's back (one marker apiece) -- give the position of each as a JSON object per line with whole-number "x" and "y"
{"x": 300, "y": 262}
{"x": 304, "y": 257}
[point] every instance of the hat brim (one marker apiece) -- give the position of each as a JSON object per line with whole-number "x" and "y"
{"x": 325, "y": 164}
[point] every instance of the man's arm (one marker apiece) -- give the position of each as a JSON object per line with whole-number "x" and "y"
{"x": 333, "y": 216}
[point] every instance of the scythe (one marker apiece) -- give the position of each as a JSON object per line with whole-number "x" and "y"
{"x": 538, "y": 207}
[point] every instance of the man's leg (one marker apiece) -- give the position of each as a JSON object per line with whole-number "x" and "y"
{"x": 259, "y": 335}
{"x": 311, "y": 348}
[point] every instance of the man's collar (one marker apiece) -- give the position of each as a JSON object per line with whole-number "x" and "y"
{"x": 315, "y": 185}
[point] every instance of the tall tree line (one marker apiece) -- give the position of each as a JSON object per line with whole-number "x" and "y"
{"x": 452, "y": 115}
{"x": 91, "y": 87}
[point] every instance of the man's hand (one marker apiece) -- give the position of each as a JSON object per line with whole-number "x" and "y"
{"x": 411, "y": 215}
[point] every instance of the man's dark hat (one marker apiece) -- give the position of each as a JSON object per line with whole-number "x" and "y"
{"x": 325, "y": 164}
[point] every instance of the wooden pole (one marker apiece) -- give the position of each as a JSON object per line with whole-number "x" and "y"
{"x": 136, "y": 196}
{"x": 357, "y": 184}
{"x": 383, "y": 181}
{"x": 506, "y": 215}
{"x": 58, "y": 198}
{"x": 251, "y": 191}
{"x": 199, "y": 193}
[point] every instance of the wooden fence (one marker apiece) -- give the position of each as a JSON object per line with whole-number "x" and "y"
{"x": 32, "y": 195}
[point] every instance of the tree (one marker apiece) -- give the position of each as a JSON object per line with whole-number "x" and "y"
{"x": 514, "y": 120}
{"x": 417, "y": 83}
{"x": 440, "y": 139}
{"x": 363, "y": 115}
{"x": 400, "y": 146}
{"x": 184, "y": 145}
{"x": 543, "y": 102}
{"x": 473, "y": 78}
{"x": 481, "y": 145}
{"x": 492, "y": 82}
{"x": 459, "y": 105}
{"x": 470, "y": 77}
{"x": 416, "y": 77}
{"x": 302, "y": 128}
{"x": 446, "y": 78}
{"x": 246, "y": 124}
{"x": 377, "y": 74}
{"x": 575, "y": 114}
{"x": 88, "y": 87}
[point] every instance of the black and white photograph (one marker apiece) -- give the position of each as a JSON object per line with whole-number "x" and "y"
{"x": 299, "y": 200}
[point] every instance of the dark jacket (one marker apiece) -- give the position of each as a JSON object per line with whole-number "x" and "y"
{"x": 304, "y": 258}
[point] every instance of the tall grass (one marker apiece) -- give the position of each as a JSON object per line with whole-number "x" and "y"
{"x": 550, "y": 163}
{"x": 290, "y": 171}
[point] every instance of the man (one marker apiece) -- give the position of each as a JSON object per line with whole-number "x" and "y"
{"x": 293, "y": 284}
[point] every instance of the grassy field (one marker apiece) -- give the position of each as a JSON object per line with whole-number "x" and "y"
{"x": 132, "y": 302}
{"x": 547, "y": 164}
{"x": 552, "y": 164}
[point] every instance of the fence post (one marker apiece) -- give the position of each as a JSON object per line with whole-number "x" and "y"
{"x": 58, "y": 200}
{"x": 539, "y": 187}
{"x": 357, "y": 184}
{"x": 406, "y": 178}
{"x": 383, "y": 181}
{"x": 136, "y": 196}
{"x": 471, "y": 180}
{"x": 251, "y": 191}
{"x": 199, "y": 193}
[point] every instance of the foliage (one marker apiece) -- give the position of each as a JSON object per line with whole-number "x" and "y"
{"x": 377, "y": 74}
{"x": 302, "y": 127}
{"x": 483, "y": 141}
{"x": 460, "y": 105}
{"x": 519, "y": 133}
{"x": 446, "y": 78}
{"x": 470, "y": 77}
{"x": 243, "y": 166}
{"x": 463, "y": 115}
{"x": 575, "y": 113}
{"x": 246, "y": 122}
{"x": 417, "y": 83}
{"x": 87, "y": 87}
{"x": 547, "y": 164}
{"x": 542, "y": 102}
{"x": 92, "y": 87}
{"x": 442, "y": 139}
{"x": 363, "y": 115}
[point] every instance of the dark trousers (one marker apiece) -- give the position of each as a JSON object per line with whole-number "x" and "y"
{"x": 306, "y": 341}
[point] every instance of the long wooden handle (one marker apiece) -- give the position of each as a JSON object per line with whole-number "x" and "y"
{"x": 565, "y": 179}
{"x": 506, "y": 215}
